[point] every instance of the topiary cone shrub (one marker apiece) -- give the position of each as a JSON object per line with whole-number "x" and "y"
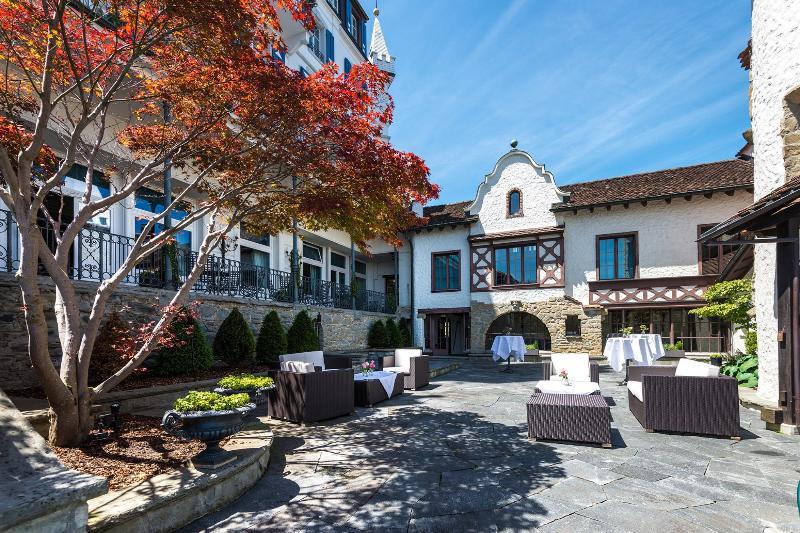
{"x": 108, "y": 354}
{"x": 302, "y": 335}
{"x": 405, "y": 332}
{"x": 272, "y": 341}
{"x": 188, "y": 350}
{"x": 395, "y": 340}
{"x": 376, "y": 337}
{"x": 235, "y": 344}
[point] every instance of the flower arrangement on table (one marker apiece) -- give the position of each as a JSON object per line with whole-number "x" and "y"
{"x": 564, "y": 375}
{"x": 367, "y": 367}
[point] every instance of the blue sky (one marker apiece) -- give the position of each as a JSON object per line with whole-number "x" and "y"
{"x": 591, "y": 89}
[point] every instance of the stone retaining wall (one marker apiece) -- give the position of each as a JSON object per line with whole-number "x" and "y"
{"x": 553, "y": 313}
{"x": 342, "y": 329}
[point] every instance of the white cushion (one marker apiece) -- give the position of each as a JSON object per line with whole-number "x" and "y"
{"x": 576, "y": 365}
{"x": 636, "y": 389}
{"x": 315, "y": 358}
{"x": 397, "y": 369}
{"x": 297, "y": 366}
{"x": 688, "y": 367}
{"x": 402, "y": 357}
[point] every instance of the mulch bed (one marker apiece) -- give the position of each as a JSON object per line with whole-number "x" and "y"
{"x": 144, "y": 379}
{"x": 140, "y": 452}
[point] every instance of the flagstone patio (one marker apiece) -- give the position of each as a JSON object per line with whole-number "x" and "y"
{"x": 455, "y": 457}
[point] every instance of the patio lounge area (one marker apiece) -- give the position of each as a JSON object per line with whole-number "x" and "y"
{"x": 455, "y": 456}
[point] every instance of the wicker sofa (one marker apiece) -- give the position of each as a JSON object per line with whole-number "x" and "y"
{"x": 577, "y": 365}
{"x": 662, "y": 401}
{"x": 410, "y": 362}
{"x": 322, "y": 390}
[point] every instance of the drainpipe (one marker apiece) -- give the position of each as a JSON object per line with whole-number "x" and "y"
{"x": 167, "y": 201}
{"x": 294, "y": 266}
{"x": 794, "y": 228}
{"x": 396, "y": 280}
{"x": 352, "y": 273}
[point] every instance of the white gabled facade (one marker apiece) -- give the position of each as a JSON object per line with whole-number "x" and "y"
{"x": 535, "y": 257}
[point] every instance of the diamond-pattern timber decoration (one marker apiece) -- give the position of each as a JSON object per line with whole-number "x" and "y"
{"x": 551, "y": 262}
{"x": 481, "y": 268}
{"x": 647, "y": 295}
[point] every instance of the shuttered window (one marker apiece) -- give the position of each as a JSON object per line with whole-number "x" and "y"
{"x": 329, "y": 51}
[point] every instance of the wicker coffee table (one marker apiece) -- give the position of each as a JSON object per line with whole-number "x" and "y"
{"x": 570, "y": 417}
{"x": 368, "y": 392}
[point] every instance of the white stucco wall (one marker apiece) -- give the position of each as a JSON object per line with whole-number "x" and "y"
{"x": 775, "y": 71}
{"x": 424, "y": 245}
{"x": 507, "y": 296}
{"x": 515, "y": 170}
{"x": 667, "y": 236}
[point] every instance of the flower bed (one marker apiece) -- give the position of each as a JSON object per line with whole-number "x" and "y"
{"x": 142, "y": 451}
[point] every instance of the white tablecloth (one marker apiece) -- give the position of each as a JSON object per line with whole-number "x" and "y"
{"x": 654, "y": 341}
{"x": 620, "y": 349}
{"x": 387, "y": 379}
{"x": 575, "y": 387}
{"x": 505, "y": 346}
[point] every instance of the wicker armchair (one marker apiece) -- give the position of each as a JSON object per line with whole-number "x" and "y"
{"x": 414, "y": 366}
{"x": 687, "y": 404}
{"x": 313, "y": 396}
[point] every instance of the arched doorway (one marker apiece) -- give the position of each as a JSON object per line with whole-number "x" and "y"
{"x": 525, "y": 324}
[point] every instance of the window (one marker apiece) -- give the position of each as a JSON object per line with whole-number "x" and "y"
{"x": 347, "y": 66}
{"x": 99, "y": 180}
{"x": 616, "y": 257}
{"x": 150, "y": 200}
{"x": 251, "y": 256}
{"x": 279, "y": 55}
{"x": 335, "y": 5}
{"x": 714, "y": 257}
{"x": 446, "y": 271}
{"x": 515, "y": 265}
{"x": 573, "y": 326}
{"x": 260, "y": 239}
{"x": 361, "y": 268}
{"x": 338, "y": 268}
{"x": 183, "y": 237}
{"x": 514, "y": 203}
{"x": 315, "y": 44}
{"x": 338, "y": 260}
{"x": 312, "y": 252}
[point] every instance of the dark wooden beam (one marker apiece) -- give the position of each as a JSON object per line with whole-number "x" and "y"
{"x": 626, "y": 205}
{"x": 608, "y": 207}
{"x": 709, "y": 195}
{"x": 644, "y": 203}
{"x": 668, "y": 200}
{"x": 688, "y": 197}
{"x": 730, "y": 193}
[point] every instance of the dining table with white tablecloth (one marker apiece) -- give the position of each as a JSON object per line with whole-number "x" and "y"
{"x": 506, "y": 346}
{"x": 654, "y": 341}
{"x": 621, "y": 349}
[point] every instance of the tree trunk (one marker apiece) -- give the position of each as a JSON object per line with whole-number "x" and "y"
{"x": 71, "y": 422}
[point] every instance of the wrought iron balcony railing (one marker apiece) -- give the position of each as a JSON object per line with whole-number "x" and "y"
{"x": 97, "y": 254}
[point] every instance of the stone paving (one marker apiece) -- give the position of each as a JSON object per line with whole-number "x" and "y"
{"x": 455, "y": 457}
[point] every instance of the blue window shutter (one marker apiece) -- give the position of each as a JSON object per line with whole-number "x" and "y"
{"x": 348, "y": 12}
{"x": 280, "y": 56}
{"x": 328, "y": 46}
{"x": 303, "y": 72}
{"x": 364, "y": 36}
{"x": 347, "y": 66}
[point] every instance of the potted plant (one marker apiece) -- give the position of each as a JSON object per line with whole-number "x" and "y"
{"x": 532, "y": 349}
{"x": 208, "y": 417}
{"x": 255, "y": 387}
{"x": 674, "y": 350}
{"x": 715, "y": 359}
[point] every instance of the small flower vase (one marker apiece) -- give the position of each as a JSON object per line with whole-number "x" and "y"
{"x": 565, "y": 381}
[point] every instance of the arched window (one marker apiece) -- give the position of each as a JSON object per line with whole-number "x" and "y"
{"x": 514, "y": 203}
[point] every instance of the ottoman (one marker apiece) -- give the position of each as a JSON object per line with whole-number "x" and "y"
{"x": 570, "y": 417}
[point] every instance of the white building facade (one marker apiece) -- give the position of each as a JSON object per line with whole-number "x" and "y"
{"x": 566, "y": 266}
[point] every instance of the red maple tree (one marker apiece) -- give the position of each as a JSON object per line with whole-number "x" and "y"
{"x": 135, "y": 87}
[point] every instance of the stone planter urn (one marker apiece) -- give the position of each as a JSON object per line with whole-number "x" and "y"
{"x": 209, "y": 427}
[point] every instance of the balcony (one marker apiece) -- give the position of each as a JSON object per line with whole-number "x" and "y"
{"x": 98, "y": 253}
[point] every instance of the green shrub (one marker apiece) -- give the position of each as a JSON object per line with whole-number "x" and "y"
{"x": 677, "y": 347}
{"x": 751, "y": 341}
{"x": 532, "y": 346}
{"x": 302, "y": 334}
{"x": 189, "y": 350}
{"x": 744, "y": 368}
{"x": 210, "y": 401}
{"x": 235, "y": 343}
{"x": 405, "y": 332}
{"x": 376, "y": 337}
{"x": 395, "y": 340}
{"x": 245, "y": 382}
{"x": 271, "y": 339}
{"x": 108, "y": 353}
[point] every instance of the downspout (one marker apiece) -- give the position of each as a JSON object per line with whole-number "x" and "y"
{"x": 413, "y": 318}
{"x": 794, "y": 228}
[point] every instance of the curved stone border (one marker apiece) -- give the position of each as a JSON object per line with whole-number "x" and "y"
{"x": 169, "y": 501}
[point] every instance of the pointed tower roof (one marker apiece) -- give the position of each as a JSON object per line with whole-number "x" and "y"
{"x": 378, "y": 51}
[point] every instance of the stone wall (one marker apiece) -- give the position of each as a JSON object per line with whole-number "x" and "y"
{"x": 341, "y": 329}
{"x": 553, "y": 313}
